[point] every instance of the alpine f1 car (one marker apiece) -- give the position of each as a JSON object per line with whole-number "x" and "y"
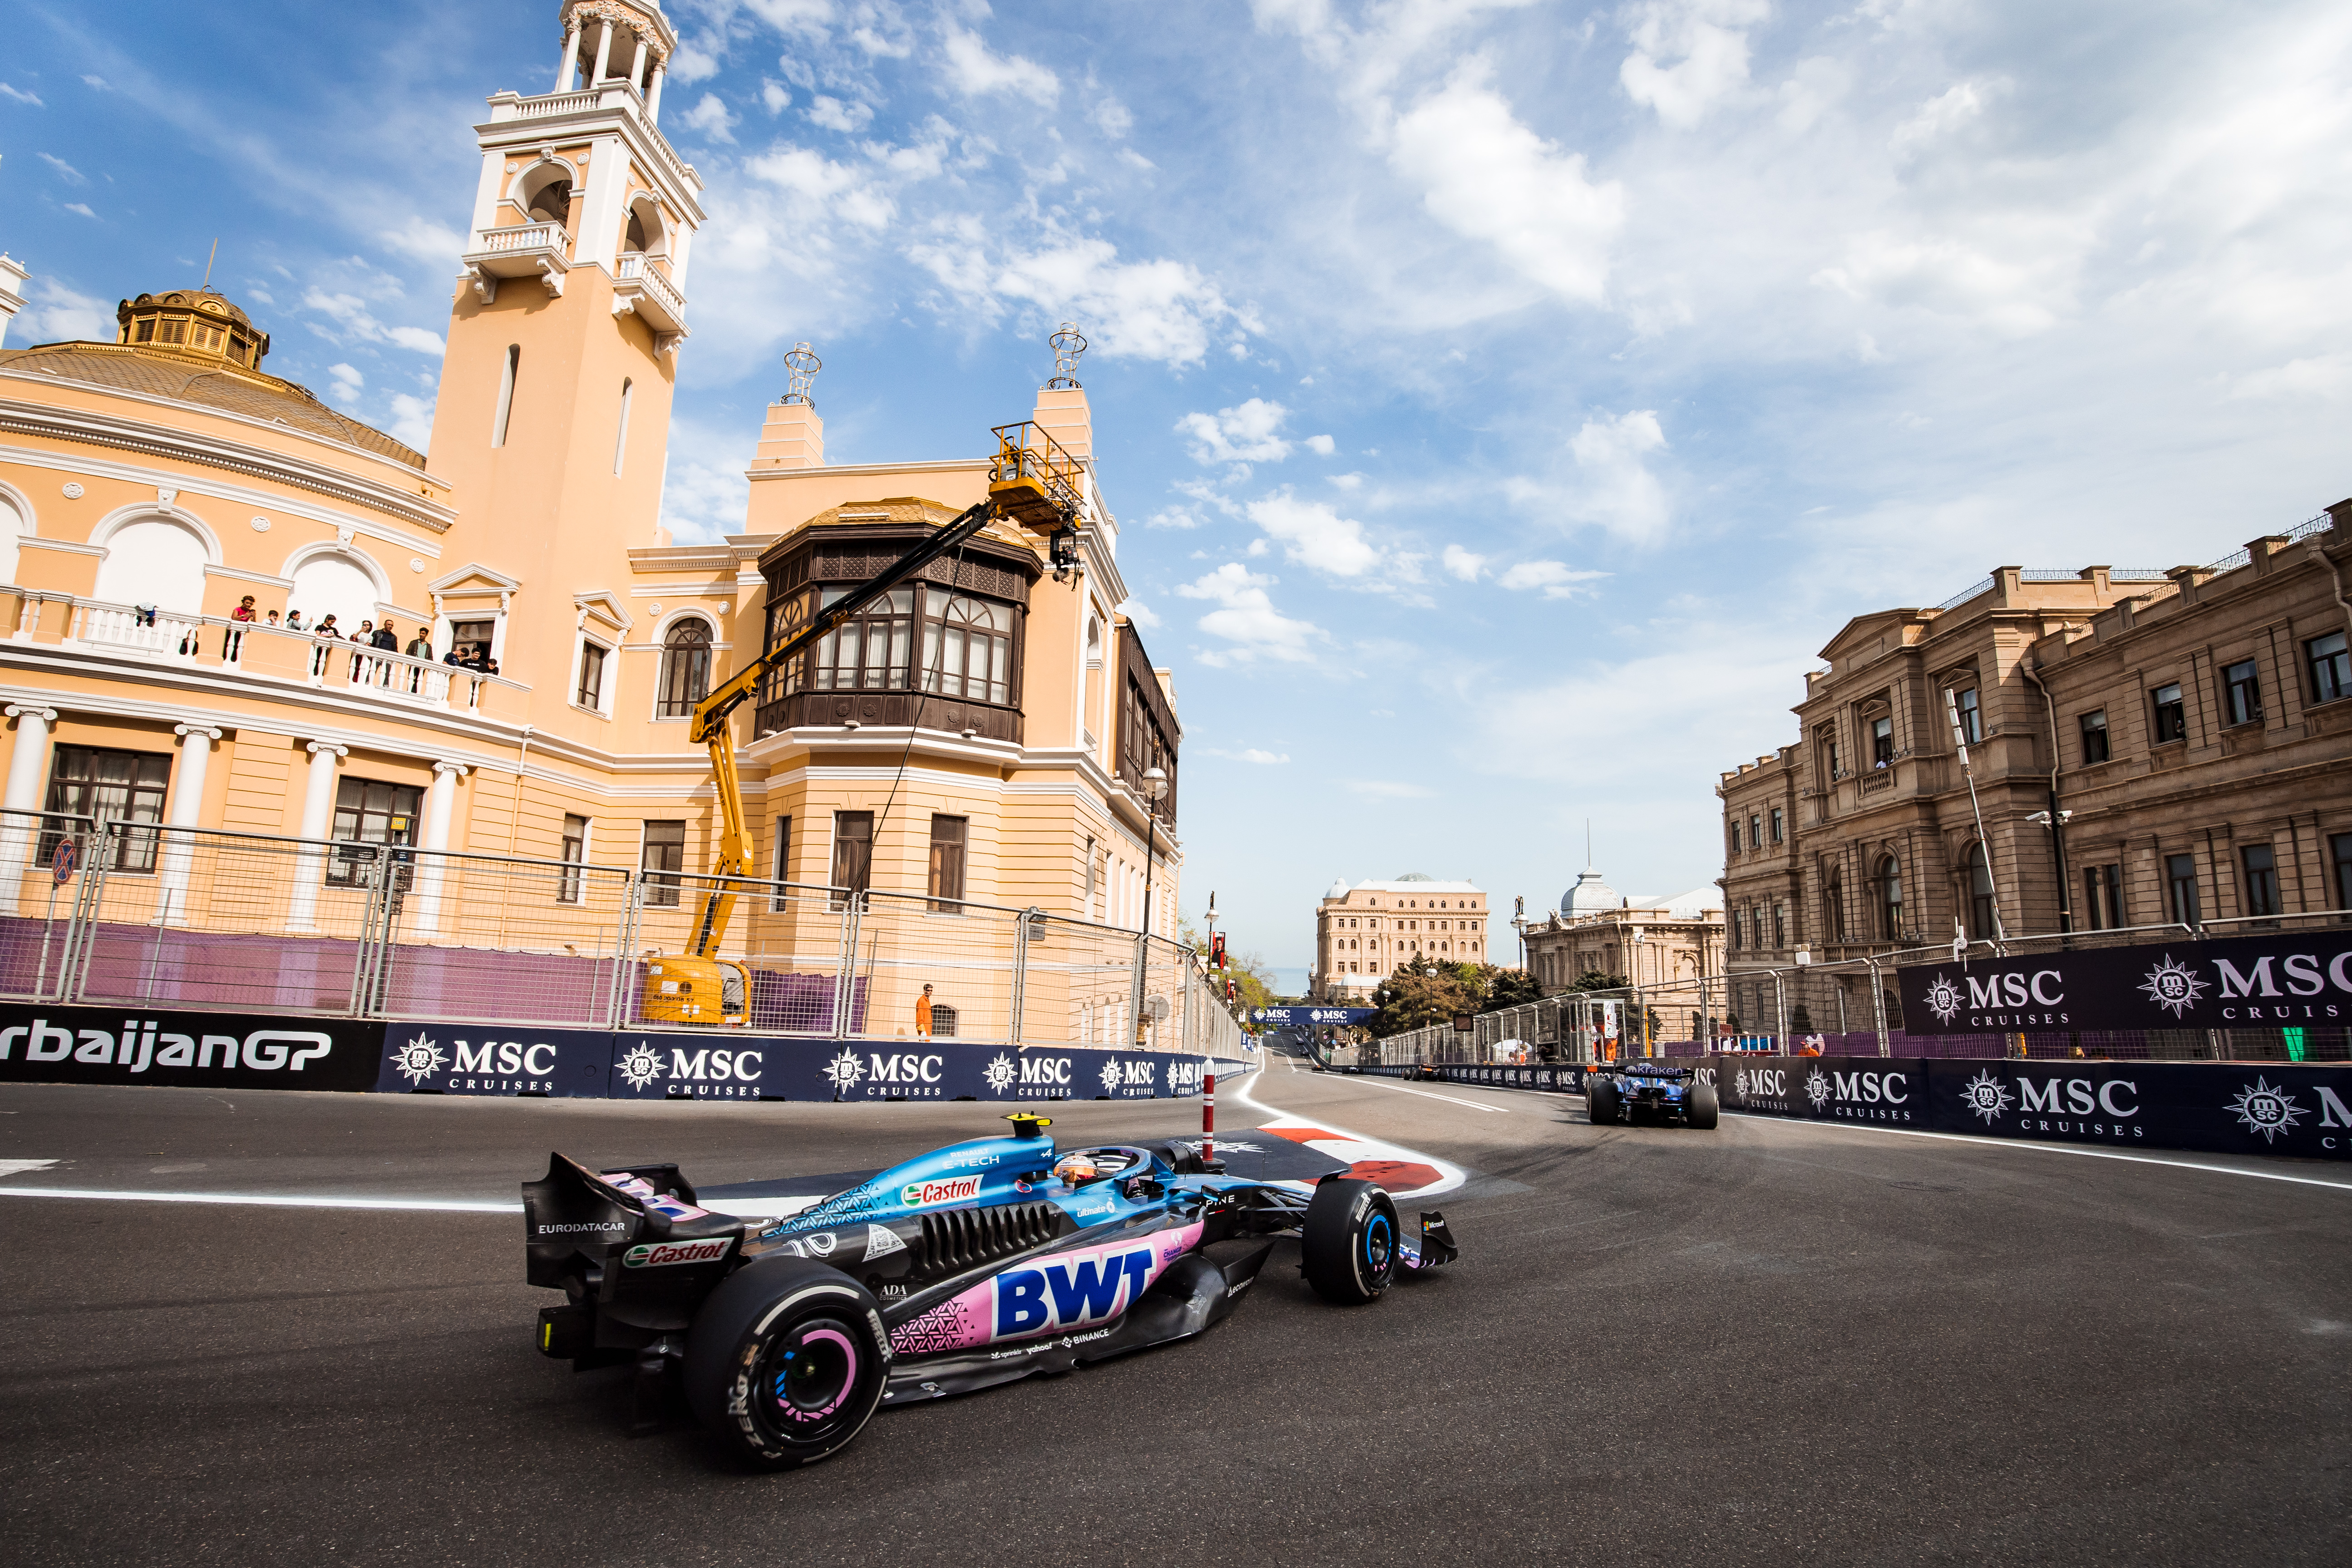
{"x": 969, "y": 1266}
{"x": 1636, "y": 1090}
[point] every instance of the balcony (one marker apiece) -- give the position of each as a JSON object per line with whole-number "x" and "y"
{"x": 267, "y": 656}
{"x": 639, "y": 286}
{"x": 539, "y": 250}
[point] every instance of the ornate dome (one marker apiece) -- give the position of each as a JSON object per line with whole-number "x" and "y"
{"x": 1338, "y": 888}
{"x": 1416, "y": 876}
{"x": 1590, "y": 896}
{"x": 199, "y": 321}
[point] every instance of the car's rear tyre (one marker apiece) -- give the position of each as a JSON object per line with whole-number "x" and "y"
{"x": 1601, "y": 1100}
{"x": 786, "y": 1361}
{"x": 1701, "y": 1106}
{"x": 1348, "y": 1244}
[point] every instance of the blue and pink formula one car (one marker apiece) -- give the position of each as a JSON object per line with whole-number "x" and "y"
{"x": 966, "y": 1267}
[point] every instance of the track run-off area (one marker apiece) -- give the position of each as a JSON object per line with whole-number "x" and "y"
{"x": 292, "y": 1328}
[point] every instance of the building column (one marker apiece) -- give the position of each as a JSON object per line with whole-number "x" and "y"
{"x": 187, "y": 805}
{"x": 571, "y": 61}
{"x": 653, "y": 99}
{"x": 29, "y": 774}
{"x": 604, "y": 53}
{"x": 440, "y": 802}
{"x": 318, "y": 819}
{"x": 637, "y": 64}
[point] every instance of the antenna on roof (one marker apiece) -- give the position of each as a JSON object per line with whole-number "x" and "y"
{"x": 208, "y": 263}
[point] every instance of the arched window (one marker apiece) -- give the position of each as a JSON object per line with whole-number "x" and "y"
{"x": 551, "y": 201}
{"x": 1834, "y": 896}
{"x": 329, "y": 582}
{"x": 633, "y": 237}
{"x": 685, "y": 668}
{"x": 976, "y": 660}
{"x": 1890, "y": 898}
{"x": 1980, "y": 894}
{"x": 14, "y": 524}
{"x": 154, "y": 560}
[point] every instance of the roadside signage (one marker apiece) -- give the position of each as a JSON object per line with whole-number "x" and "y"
{"x": 1298, "y": 1017}
{"x": 2281, "y": 980}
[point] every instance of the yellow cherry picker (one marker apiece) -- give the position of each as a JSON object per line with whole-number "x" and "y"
{"x": 1033, "y": 483}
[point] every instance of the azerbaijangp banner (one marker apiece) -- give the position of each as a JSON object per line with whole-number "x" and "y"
{"x": 2282, "y": 980}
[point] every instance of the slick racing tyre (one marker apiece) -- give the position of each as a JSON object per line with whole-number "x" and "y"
{"x": 1601, "y": 1100}
{"x": 1700, "y": 1106}
{"x": 786, "y": 1361}
{"x": 1349, "y": 1242}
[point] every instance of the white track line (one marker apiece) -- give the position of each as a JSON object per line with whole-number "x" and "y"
{"x": 1449, "y": 1175}
{"x": 1426, "y": 1094}
{"x": 265, "y": 1200}
{"x": 2042, "y": 1147}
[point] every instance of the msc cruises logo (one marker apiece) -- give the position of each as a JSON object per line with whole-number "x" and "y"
{"x": 2267, "y": 1110}
{"x": 1816, "y": 1088}
{"x": 2172, "y": 986}
{"x": 844, "y": 1071}
{"x": 999, "y": 1074}
{"x": 1986, "y": 1095}
{"x": 1943, "y": 1000}
{"x": 418, "y": 1060}
{"x": 639, "y": 1066}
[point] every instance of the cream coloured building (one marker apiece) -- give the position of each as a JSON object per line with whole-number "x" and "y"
{"x": 1363, "y": 931}
{"x": 150, "y": 484}
{"x": 1647, "y": 941}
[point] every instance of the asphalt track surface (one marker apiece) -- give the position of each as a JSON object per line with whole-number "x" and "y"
{"x": 1777, "y": 1341}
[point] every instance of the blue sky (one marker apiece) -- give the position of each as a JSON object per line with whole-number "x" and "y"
{"x": 1502, "y": 401}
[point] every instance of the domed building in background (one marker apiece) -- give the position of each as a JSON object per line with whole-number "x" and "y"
{"x": 981, "y": 737}
{"x": 1641, "y": 940}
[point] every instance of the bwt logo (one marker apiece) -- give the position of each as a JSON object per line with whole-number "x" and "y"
{"x": 1081, "y": 1288}
{"x": 264, "y": 1050}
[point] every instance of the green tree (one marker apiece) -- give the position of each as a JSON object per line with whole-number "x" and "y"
{"x": 1510, "y": 988}
{"x": 1422, "y": 992}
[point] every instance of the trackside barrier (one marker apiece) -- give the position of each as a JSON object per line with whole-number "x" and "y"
{"x": 2224, "y": 1108}
{"x": 63, "y": 1044}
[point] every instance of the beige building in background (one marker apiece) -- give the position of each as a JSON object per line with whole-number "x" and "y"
{"x": 148, "y": 484}
{"x": 1364, "y": 931}
{"x": 1647, "y": 941}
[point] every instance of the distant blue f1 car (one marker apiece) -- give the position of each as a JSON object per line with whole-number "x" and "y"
{"x": 1633, "y": 1091}
{"x": 969, "y": 1266}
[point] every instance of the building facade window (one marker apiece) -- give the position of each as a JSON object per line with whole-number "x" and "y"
{"x": 662, "y": 858}
{"x": 1733, "y": 826}
{"x": 2241, "y": 690}
{"x": 2180, "y": 883}
{"x": 2339, "y": 849}
{"x": 2094, "y": 737}
{"x": 1833, "y": 896}
{"x": 1890, "y": 898}
{"x": 1780, "y": 826}
{"x": 1780, "y": 925}
{"x": 370, "y": 813}
{"x": 471, "y": 640}
{"x": 2103, "y": 897}
{"x": 1755, "y": 831}
{"x": 870, "y": 652}
{"x": 2260, "y": 865}
{"x": 2170, "y": 714}
{"x": 1882, "y": 742}
{"x": 966, "y": 647}
{"x": 575, "y": 854}
{"x": 2331, "y": 668}
{"x": 781, "y": 868}
{"x": 685, "y": 668}
{"x": 947, "y": 836}
{"x": 1972, "y": 721}
{"x": 1981, "y": 901}
{"x": 590, "y": 693}
{"x": 853, "y": 850}
{"x": 509, "y": 369}
{"x": 119, "y": 786}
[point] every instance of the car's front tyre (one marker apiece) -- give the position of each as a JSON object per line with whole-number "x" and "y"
{"x": 1701, "y": 1106}
{"x": 1348, "y": 1244}
{"x": 786, "y": 1361}
{"x": 1601, "y": 1100}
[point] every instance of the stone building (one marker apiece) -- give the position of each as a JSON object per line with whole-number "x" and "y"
{"x": 1649, "y": 941}
{"x": 2192, "y": 727}
{"x": 150, "y": 484}
{"x": 1363, "y": 931}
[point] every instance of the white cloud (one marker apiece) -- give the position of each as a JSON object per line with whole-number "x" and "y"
{"x": 850, "y": 191}
{"x": 975, "y": 70}
{"x": 1941, "y": 116}
{"x": 1321, "y": 446}
{"x": 835, "y": 115}
{"x": 412, "y": 420}
{"x": 773, "y": 95}
{"x": 97, "y": 82}
{"x": 348, "y": 382}
{"x": 1247, "y": 621}
{"x": 1251, "y": 754}
{"x": 1111, "y": 117}
{"x": 1488, "y": 177}
{"x": 81, "y": 207}
{"x": 1142, "y": 613}
{"x": 1620, "y": 492}
{"x": 711, "y": 117}
{"x": 2320, "y": 376}
{"x": 1146, "y": 310}
{"x": 53, "y": 313}
{"x": 351, "y": 314}
{"x": 1244, "y": 434}
{"x": 66, "y": 170}
{"x": 20, "y": 97}
{"x": 1706, "y": 40}
{"x": 704, "y": 492}
{"x": 1313, "y": 534}
{"x": 421, "y": 238}
{"x": 1556, "y": 578}
{"x": 1174, "y": 517}
{"x": 1462, "y": 563}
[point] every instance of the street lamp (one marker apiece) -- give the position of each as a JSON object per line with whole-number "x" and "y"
{"x": 1155, "y": 789}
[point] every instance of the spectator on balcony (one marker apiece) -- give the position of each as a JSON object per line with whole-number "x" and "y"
{"x": 325, "y": 631}
{"x": 233, "y": 639}
{"x": 366, "y": 637}
{"x": 419, "y": 647}
{"x": 386, "y": 640}
{"x": 271, "y": 620}
{"x": 294, "y": 621}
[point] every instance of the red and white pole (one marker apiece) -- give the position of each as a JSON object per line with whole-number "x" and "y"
{"x": 1208, "y": 1117}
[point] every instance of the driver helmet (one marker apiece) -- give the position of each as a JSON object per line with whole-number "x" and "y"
{"x": 1075, "y": 1170}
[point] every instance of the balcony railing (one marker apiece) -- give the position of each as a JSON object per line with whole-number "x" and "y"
{"x": 637, "y": 266}
{"x": 522, "y": 236}
{"x": 259, "y": 652}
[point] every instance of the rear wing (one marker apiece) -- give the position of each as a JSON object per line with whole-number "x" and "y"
{"x": 574, "y": 1216}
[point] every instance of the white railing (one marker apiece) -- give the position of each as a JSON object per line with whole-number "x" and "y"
{"x": 637, "y": 266}
{"x": 554, "y": 103}
{"x": 523, "y": 236}
{"x": 218, "y": 642}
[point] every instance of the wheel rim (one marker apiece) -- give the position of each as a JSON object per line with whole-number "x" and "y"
{"x": 1379, "y": 1245}
{"x": 810, "y": 1378}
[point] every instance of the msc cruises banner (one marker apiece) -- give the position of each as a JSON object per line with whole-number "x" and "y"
{"x": 2283, "y": 980}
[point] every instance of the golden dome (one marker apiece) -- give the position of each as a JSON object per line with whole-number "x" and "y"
{"x": 195, "y": 321}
